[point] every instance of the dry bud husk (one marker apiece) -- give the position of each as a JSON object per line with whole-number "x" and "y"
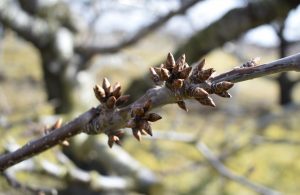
{"x": 181, "y": 60}
{"x": 99, "y": 93}
{"x": 170, "y": 62}
{"x": 122, "y": 100}
{"x": 111, "y": 102}
{"x": 198, "y": 93}
{"x": 206, "y": 101}
{"x": 152, "y": 117}
{"x": 182, "y": 105}
{"x": 185, "y": 73}
{"x": 106, "y": 85}
{"x": 154, "y": 76}
{"x": 165, "y": 74}
{"x": 139, "y": 123}
{"x": 117, "y": 90}
{"x": 221, "y": 87}
{"x": 200, "y": 65}
{"x": 205, "y": 74}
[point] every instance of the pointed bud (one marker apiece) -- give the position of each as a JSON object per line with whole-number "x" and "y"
{"x": 185, "y": 73}
{"x": 206, "y": 101}
{"x": 117, "y": 90}
{"x": 152, "y": 117}
{"x": 198, "y": 93}
{"x": 205, "y": 74}
{"x": 182, "y": 105}
{"x": 224, "y": 94}
{"x": 110, "y": 143}
{"x": 111, "y": 102}
{"x": 105, "y": 84}
{"x": 181, "y": 60}
{"x": 109, "y": 91}
{"x": 165, "y": 74}
{"x": 147, "y": 105}
{"x": 147, "y": 128}
{"x": 177, "y": 83}
{"x": 170, "y": 63}
{"x": 154, "y": 76}
{"x": 122, "y": 100}
{"x": 99, "y": 93}
{"x": 137, "y": 134}
{"x": 113, "y": 139}
{"x": 200, "y": 65}
{"x": 56, "y": 125}
{"x": 221, "y": 86}
{"x": 144, "y": 132}
{"x": 176, "y": 69}
{"x": 157, "y": 70}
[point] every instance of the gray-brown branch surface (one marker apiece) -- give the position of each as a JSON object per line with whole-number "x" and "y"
{"x": 109, "y": 119}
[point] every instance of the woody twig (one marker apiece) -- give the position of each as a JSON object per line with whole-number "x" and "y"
{"x": 176, "y": 81}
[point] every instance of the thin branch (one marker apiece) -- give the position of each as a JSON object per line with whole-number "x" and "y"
{"x": 103, "y": 120}
{"x": 224, "y": 171}
{"x": 33, "y": 148}
{"x": 290, "y": 63}
{"x": 90, "y": 50}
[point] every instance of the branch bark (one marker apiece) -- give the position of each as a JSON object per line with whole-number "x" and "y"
{"x": 105, "y": 121}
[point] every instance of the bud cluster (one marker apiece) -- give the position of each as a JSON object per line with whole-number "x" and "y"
{"x": 140, "y": 120}
{"x": 110, "y": 96}
{"x": 179, "y": 75}
{"x": 172, "y": 73}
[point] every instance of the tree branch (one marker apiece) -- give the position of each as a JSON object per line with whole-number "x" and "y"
{"x": 290, "y": 63}
{"x": 33, "y": 148}
{"x": 30, "y": 28}
{"x": 233, "y": 24}
{"x": 107, "y": 119}
{"x": 90, "y": 50}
